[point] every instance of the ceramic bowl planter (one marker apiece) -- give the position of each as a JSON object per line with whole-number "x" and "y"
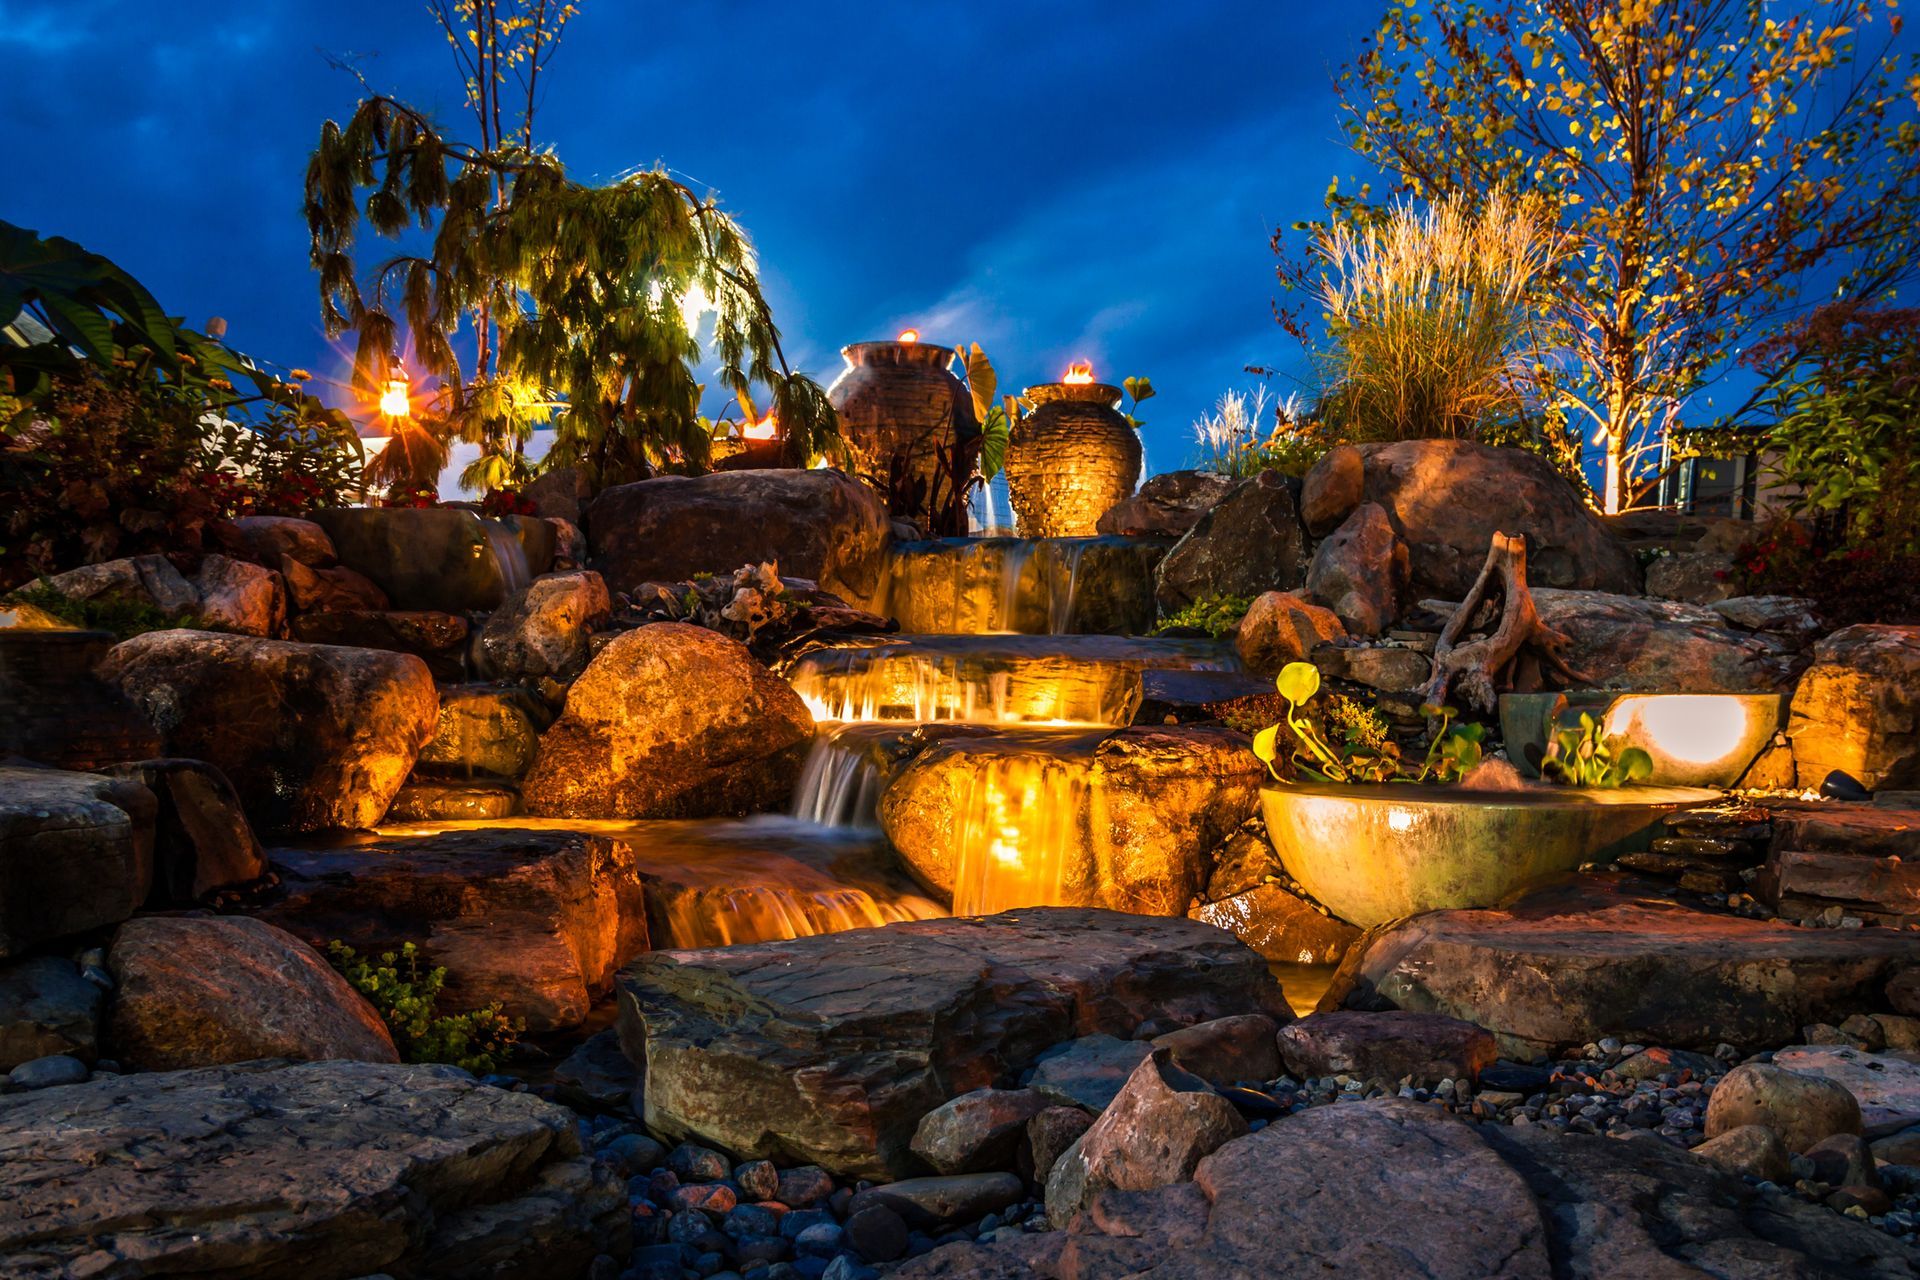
{"x": 1071, "y": 459}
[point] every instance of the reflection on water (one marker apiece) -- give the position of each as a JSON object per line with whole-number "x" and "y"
{"x": 1303, "y": 984}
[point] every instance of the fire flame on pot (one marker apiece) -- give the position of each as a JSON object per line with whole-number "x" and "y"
{"x": 1080, "y": 371}
{"x": 765, "y": 429}
{"x": 909, "y": 335}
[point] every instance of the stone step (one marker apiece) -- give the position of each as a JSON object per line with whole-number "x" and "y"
{"x": 1884, "y": 888}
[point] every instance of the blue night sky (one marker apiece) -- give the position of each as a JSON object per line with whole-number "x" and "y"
{"x": 1053, "y": 180}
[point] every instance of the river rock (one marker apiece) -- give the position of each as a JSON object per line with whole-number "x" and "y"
{"x": 933, "y": 1203}
{"x": 1247, "y": 543}
{"x": 1226, "y": 1050}
{"x": 1635, "y": 644}
{"x": 240, "y": 597}
{"x": 150, "y": 580}
{"x": 1360, "y": 571}
{"x": 202, "y": 839}
{"x": 976, "y": 1131}
{"x": 1088, "y": 1072}
{"x": 1886, "y": 1085}
{"x": 831, "y": 1049}
{"x": 437, "y": 639}
{"x": 1281, "y": 627}
{"x": 1749, "y": 1150}
{"x": 812, "y": 524}
{"x": 76, "y": 853}
{"x": 543, "y": 630}
{"x": 671, "y": 720}
{"x": 264, "y": 539}
{"x": 203, "y": 992}
{"x": 326, "y": 1170}
{"x": 1332, "y": 488}
{"x": 47, "y": 1008}
{"x": 1802, "y": 1109}
{"x": 1280, "y": 925}
{"x": 312, "y": 736}
{"x": 1167, "y": 505}
{"x": 536, "y": 921}
{"x": 1429, "y": 1047}
{"x": 1858, "y": 708}
{"x": 483, "y": 729}
{"x": 330, "y": 589}
{"x": 444, "y": 559}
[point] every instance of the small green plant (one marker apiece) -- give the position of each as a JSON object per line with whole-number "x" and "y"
{"x": 116, "y": 614}
{"x": 1363, "y": 752}
{"x": 407, "y": 996}
{"x": 1218, "y": 616}
{"x": 1137, "y": 389}
{"x": 1581, "y": 756}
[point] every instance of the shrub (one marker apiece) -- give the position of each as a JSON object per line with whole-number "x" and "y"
{"x": 116, "y": 614}
{"x": 1218, "y": 616}
{"x": 408, "y": 998}
{"x": 1235, "y": 440}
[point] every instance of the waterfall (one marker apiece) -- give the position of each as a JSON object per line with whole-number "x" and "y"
{"x": 508, "y": 554}
{"x": 1000, "y": 586}
{"x": 1017, "y": 831}
{"x": 844, "y": 774}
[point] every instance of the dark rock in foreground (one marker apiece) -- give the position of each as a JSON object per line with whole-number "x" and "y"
{"x": 325, "y": 1171}
{"x": 830, "y": 1049}
{"x": 76, "y": 852}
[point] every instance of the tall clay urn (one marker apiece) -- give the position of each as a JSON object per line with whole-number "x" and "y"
{"x": 909, "y": 428}
{"x": 1072, "y": 458}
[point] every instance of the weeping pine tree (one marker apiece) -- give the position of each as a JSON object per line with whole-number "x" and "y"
{"x": 586, "y": 301}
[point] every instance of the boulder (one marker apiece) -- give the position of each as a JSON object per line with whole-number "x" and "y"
{"x": 1049, "y": 1136}
{"x": 1886, "y": 1085}
{"x": 1249, "y": 542}
{"x": 437, "y": 639}
{"x": 1857, "y": 708}
{"x": 1130, "y": 821}
{"x": 812, "y": 524}
{"x": 312, "y": 736}
{"x": 1167, "y": 505}
{"x": 1088, "y": 1072}
{"x": 1749, "y": 1150}
{"x": 1634, "y": 644}
{"x": 47, "y": 1008}
{"x": 976, "y": 1131}
{"x": 1281, "y": 627}
{"x": 935, "y": 1203}
{"x": 542, "y": 630}
{"x": 535, "y": 921}
{"x": 149, "y": 580}
{"x": 483, "y": 729}
{"x": 1360, "y": 571}
{"x": 1698, "y": 577}
{"x": 1792, "y": 618}
{"x": 325, "y": 1170}
{"x": 429, "y": 801}
{"x": 1332, "y": 488}
{"x": 1843, "y": 1160}
{"x": 240, "y": 597}
{"x": 76, "y": 853}
{"x": 1801, "y": 1109}
{"x": 1390, "y": 668}
{"x": 1159, "y": 1128}
{"x": 558, "y": 493}
{"x": 202, "y": 840}
{"x": 1280, "y": 925}
{"x": 1226, "y": 1050}
{"x": 671, "y": 720}
{"x": 1568, "y": 966}
{"x": 264, "y": 539}
{"x": 57, "y": 712}
{"x": 203, "y": 992}
{"x": 1429, "y": 1047}
{"x": 335, "y": 589}
{"x": 443, "y": 559}
{"x": 831, "y": 1049}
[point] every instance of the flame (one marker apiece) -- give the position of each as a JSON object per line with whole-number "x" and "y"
{"x": 765, "y": 429}
{"x": 909, "y": 335}
{"x": 1080, "y": 371}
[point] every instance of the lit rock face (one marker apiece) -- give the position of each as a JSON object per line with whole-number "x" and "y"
{"x": 1280, "y": 925}
{"x": 313, "y": 737}
{"x": 241, "y": 597}
{"x": 1168, "y": 504}
{"x": 1125, "y": 820}
{"x": 1360, "y": 571}
{"x": 444, "y": 559}
{"x": 483, "y": 730}
{"x": 437, "y": 639}
{"x": 831, "y": 1049}
{"x": 1636, "y": 644}
{"x": 265, "y": 539}
{"x": 1282, "y": 627}
{"x": 326, "y": 1170}
{"x": 542, "y": 630}
{"x": 1858, "y": 708}
{"x": 671, "y": 720}
{"x": 1246, "y": 543}
{"x": 148, "y": 580}
{"x": 206, "y": 992}
{"x": 202, "y": 840}
{"x": 1033, "y": 586}
{"x": 538, "y": 921}
{"x": 813, "y": 524}
{"x": 76, "y": 853}
{"x": 1332, "y": 489}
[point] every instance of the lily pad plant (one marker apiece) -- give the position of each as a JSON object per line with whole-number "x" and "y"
{"x": 1582, "y": 755}
{"x": 1359, "y": 749}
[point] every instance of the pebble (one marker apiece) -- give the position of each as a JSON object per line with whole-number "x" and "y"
{"x": 42, "y": 1073}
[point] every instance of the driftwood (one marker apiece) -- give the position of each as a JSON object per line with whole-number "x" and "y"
{"x": 1481, "y": 668}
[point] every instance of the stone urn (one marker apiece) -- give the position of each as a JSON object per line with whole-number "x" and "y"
{"x": 1071, "y": 459}
{"x": 909, "y": 428}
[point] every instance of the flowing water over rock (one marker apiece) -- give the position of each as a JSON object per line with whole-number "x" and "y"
{"x": 509, "y": 554}
{"x": 1028, "y": 586}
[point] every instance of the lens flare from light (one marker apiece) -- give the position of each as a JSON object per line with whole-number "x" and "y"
{"x": 395, "y": 400}
{"x": 1691, "y": 728}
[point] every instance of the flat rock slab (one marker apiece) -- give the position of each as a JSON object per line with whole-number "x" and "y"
{"x": 829, "y": 1050}
{"x": 325, "y": 1170}
{"x": 76, "y": 853}
{"x": 1590, "y": 959}
{"x": 1886, "y": 1085}
{"x": 1387, "y": 1189}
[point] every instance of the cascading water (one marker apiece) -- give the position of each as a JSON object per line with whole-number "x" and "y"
{"x": 1024, "y": 586}
{"x": 1016, "y": 827}
{"x": 508, "y": 554}
{"x": 845, "y": 772}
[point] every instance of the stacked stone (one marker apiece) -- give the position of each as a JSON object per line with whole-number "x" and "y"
{"x": 1070, "y": 460}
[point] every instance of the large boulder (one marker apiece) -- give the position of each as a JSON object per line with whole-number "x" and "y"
{"x": 1858, "y": 708}
{"x": 1426, "y": 1046}
{"x": 1129, "y": 819}
{"x": 830, "y": 1049}
{"x": 202, "y": 839}
{"x": 1885, "y": 1085}
{"x": 1248, "y": 542}
{"x": 241, "y": 597}
{"x": 445, "y": 559}
{"x": 437, "y": 639}
{"x": 314, "y": 737}
{"x": 1282, "y": 627}
{"x": 813, "y": 524}
{"x": 1635, "y": 644}
{"x": 141, "y": 580}
{"x": 1167, "y": 505}
{"x": 324, "y": 1170}
{"x": 671, "y": 720}
{"x": 1360, "y": 571}
{"x": 484, "y": 730}
{"x": 76, "y": 853}
{"x": 264, "y": 539}
{"x": 1802, "y": 1109}
{"x": 1332, "y": 488}
{"x": 543, "y": 630}
{"x": 536, "y": 921}
{"x": 47, "y": 1007}
{"x": 205, "y": 992}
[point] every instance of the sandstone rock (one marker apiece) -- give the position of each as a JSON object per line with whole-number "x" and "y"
{"x": 1886, "y": 1086}
{"x": 483, "y": 729}
{"x": 1801, "y": 1109}
{"x": 1635, "y": 644}
{"x": 335, "y": 589}
{"x": 1168, "y": 504}
{"x": 813, "y": 524}
{"x": 431, "y": 801}
{"x": 1360, "y": 571}
{"x": 1700, "y": 577}
{"x": 76, "y": 853}
{"x": 1280, "y": 926}
{"x": 1088, "y": 1072}
{"x": 437, "y": 639}
{"x": 1789, "y": 617}
{"x": 1799, "y": 883}
{"x": 1333, "y": 487}
{"x": 671, "y": 720}
{"x": 1225, "y": 1050}
{"x": 371, "y": 1168}
{"x": 149, "y": 580}
{"x": 1843, "y": 1160}
{"x": 933, "y": 1203}
{"x": 1049, "y": 1136}
{"x": 1159, "y": 1128}
{"x": 46, "y": 1008}
{"x": 537, "y": 921}
{"x": 977, "y": 1130}
{"x": 240, "y": 597}
{"x": 1249, "y": 542}
{"x": 1858, "y": 708}
{"x": 1389, "y": 668}
{"x": 1429, "y": 1047}
{"x": 1749, "y": 1150}
{"x": 542, "y": 631}
{"x": 200, "y": 992}
{"x": 1282, "y": 627}
{"x": 1566, "y": 967}
{"x": 831, "y": 1049}
{"x": 313, "y": 737}
{"x": 444, "y": 559}
{"x": 558, "y": 493}
{"x": 202, "y": 840}
{"x": 264, "y": 539}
